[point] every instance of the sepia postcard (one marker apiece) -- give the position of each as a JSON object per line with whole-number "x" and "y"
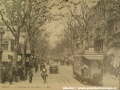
{"x": 60, "y": 44}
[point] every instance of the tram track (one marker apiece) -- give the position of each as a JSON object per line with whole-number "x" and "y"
{"x": 68, "y": 82}
{"x": 72, "y": 81}
{"x": 58, "y": 80}
{"x": 69, "y": 76}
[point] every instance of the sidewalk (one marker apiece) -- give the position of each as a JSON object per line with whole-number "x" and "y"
{"x": 110, "y": 81}
{"x": 36, "y": 77}
{"x": 37, "y": 83}
{"x": 111, "y": 76}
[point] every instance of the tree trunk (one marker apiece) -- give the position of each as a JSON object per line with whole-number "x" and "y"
{"x": 72, "y": 48}
{"x": 24, "y": 54}
{"x": 15, "y": 59}
{"x": 88, "y": 40}
{"x": 16, "y": 48}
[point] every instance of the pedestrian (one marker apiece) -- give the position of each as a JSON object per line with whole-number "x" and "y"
{"x": 30, "y": 65}
{"x": 36, "y": 68}
{"x": 13, "y": 73}
{"x": 30, "y": 75}
{"x": 116, "y": 71}
{"x": 84, "y": 70}
{"x": 3, "y": 75}
{"x": 10, "y": 76}
{"x": 16, "y": 74}
{"x": 44, "y": 73}
{"x": 26, "y": 71}
{"x": 21, "y": 74}
{"x": 111, "y": 68}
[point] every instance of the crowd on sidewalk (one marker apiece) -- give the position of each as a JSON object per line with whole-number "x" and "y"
{"x": 14, "y": 74}
{"x": 20, "y": 73}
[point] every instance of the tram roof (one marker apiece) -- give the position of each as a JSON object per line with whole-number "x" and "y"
{"x": 91, "y": 56}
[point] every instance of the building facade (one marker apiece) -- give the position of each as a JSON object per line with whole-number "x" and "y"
{"x": 104, "y": 24}
{"x": 8, "y": 41}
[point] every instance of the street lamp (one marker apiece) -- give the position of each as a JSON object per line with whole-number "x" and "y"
{"x": 1, "y": 51}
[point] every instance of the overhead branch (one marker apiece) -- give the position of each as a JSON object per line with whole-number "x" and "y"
{"x": 7, "y": 24}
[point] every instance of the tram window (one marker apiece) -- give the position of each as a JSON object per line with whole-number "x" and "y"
{"x": 94, "y": 65}
{"x": 99, "y": 64}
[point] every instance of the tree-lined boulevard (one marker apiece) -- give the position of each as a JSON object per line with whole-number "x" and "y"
{"x": 65, "y": 78}
{"x": 81, "y": 36}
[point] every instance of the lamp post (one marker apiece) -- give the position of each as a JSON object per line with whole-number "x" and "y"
{"x": 1, "y": 51}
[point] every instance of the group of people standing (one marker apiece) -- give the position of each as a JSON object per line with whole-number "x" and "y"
{"x": 14, "y": 74}
{"x": 21, "y": 73}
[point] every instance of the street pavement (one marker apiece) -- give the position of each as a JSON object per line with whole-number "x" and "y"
{"x": 59, "y": 81}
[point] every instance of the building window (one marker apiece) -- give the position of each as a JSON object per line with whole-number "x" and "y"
{"x": 5, "y": 47}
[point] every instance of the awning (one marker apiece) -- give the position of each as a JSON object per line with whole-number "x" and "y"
{"x": 94, "y": 57}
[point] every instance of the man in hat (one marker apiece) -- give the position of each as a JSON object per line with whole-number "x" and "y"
{"x": 30, "y": 75}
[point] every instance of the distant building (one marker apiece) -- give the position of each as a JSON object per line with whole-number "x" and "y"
{"x": 104, "y": 22}
{"x": 103, "y": 25}
{"x": 8, "y": 47}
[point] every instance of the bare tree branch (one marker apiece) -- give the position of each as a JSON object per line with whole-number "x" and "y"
{"x": 7, "y": 24}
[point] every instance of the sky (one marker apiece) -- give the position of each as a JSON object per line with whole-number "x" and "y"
{"x": 55, "y": 29}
